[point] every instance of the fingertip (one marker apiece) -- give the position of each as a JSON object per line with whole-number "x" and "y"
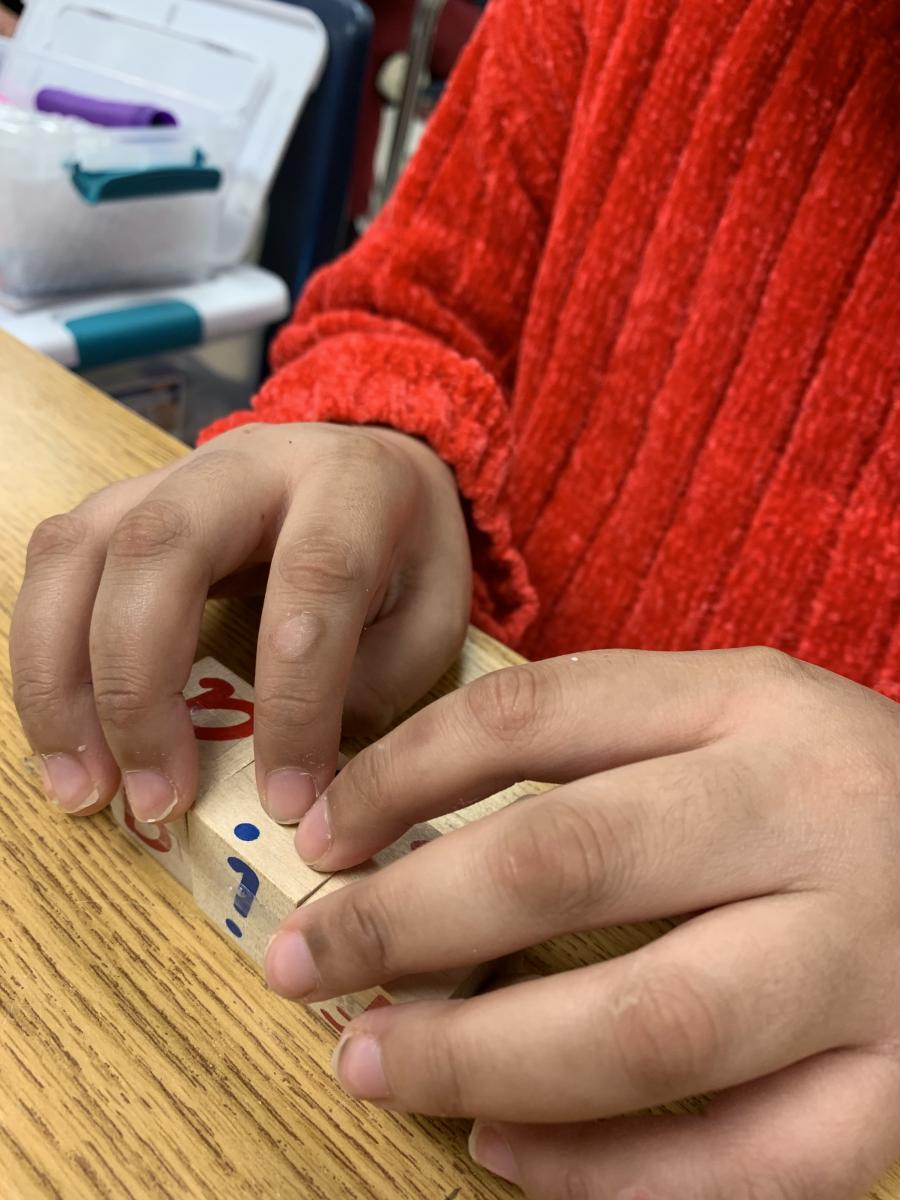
{"x": 357, "y": 1063}
{"x": 288, "y": 794}
{"x": 489, "y": 1147}
{"x": 152, "y": 796}
{"x": 67, "y": 783}
{"x": 91, "y": 806}
{"x": 289, "y": 966}
{"x": 315, "y": 838}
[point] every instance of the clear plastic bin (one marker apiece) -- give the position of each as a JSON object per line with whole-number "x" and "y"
{"x": 74, "y": 212}
{"x": 86, "y": 207}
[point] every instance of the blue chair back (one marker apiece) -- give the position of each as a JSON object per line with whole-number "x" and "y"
{"x": 309, "y": 201}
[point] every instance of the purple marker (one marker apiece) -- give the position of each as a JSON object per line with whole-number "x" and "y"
{"x": 100, "y": 112}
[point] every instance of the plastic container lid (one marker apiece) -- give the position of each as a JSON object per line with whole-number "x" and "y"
{"x": 245, "y": 66}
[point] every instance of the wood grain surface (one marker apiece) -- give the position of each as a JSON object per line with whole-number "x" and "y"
{"x": 140, "y": 1055}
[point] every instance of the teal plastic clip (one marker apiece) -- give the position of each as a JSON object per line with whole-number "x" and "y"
{"x": 136, "y": 331}
{"x": 97, "y": 187}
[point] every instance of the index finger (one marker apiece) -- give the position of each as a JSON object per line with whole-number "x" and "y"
{"x": 552, "y": 721}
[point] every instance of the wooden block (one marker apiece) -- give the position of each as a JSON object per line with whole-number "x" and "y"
{"x": 221, "y": 707}
{"x": 168, "y": 844}
{"x": 337, "y": 1014}
{"x": 242, "y": 866}
{"x": 490, "y": 804}
{"x": 247, "y": 876}
{"x": 440, "y": 985}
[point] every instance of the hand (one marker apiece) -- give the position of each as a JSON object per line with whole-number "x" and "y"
{"x": 758, "y": 793}
{"x": 366, "y": 605}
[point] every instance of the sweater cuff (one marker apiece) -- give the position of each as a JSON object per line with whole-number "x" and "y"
{"x": 425, "y": 390}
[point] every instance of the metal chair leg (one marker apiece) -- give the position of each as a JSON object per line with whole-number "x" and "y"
{"x": 424, "y": 25}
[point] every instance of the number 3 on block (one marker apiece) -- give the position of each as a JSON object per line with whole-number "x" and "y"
{"x": 218, "y": 696}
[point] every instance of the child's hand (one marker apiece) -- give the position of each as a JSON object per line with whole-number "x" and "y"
{"x": 366, "y": 605}
{"x": 761, "y": 794}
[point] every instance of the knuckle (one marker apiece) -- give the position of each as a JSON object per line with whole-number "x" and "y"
{"x": 366, "y": 925}
{"x": 556, "y": 860}
{"x": 765, "y": 659}
{"x": 284, "y": 712}
{"x": 323, "y": 564}
{"x": 57, "y": 537}
{"x": 36, "y": 689}
{"x": 122, "y": 700}
{"x": 507, "y": 705}
{"x": 218, "y": 467}
{"x": 355, "y": 448}
{"x": 772, "y": 667}
{"x": 615, "y": 662}
{"x": 669, "y": 1035}
{"x": 150, "y": 530}
{"x": 370, "y": 451}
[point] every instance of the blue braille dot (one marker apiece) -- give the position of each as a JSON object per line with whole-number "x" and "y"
{"x": 246, "y": 832}
{"x": 232, "y": 928}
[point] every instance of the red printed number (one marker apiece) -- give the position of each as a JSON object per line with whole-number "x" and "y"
{"x": 378, "y": 1002}
{"x": 219, "y": 695}
{"x": 162, "y": 843}
{"x": 340, "y": 1022}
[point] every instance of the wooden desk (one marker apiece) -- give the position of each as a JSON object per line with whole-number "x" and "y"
{"x": 140, "y": 1056}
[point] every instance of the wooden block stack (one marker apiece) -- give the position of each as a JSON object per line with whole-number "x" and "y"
{"x": 242, "y": 867}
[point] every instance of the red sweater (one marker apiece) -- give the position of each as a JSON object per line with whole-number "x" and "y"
{"x": 640, "y": 288}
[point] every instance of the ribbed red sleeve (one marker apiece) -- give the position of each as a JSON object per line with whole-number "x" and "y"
{"x": 419, "y": 326}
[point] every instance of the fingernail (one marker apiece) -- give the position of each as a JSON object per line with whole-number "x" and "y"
{"x": 151, "y": 797}
{"x": 289, "y": 966}
{"x": 67, "y": 783}
{"x": 357, "y": 1064}
{"x": 289, "y": 794}
{"x": 314, "y": 837}
{"x": 490, "y": 1149}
